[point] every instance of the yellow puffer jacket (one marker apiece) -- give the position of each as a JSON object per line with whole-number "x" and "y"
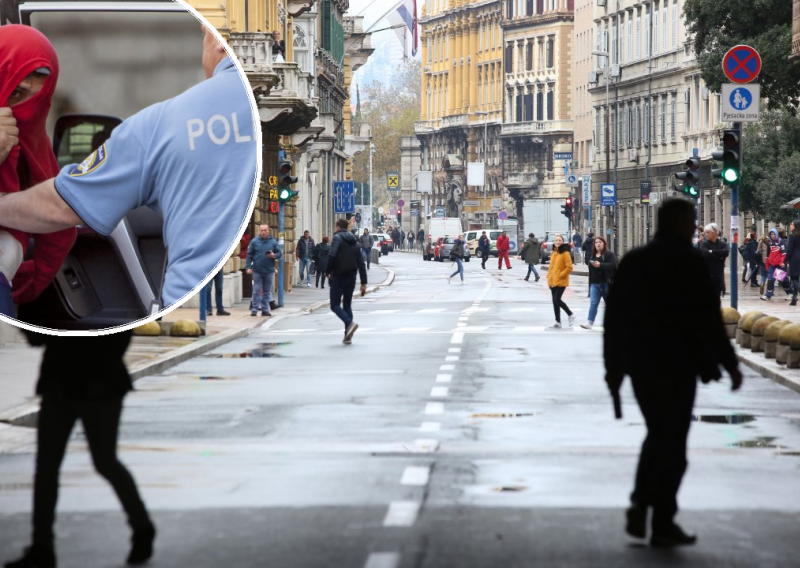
{"x": 560, "y": 267}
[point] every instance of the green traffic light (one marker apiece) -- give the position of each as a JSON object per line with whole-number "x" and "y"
{"x": 284, "y": 194}
{"x": 730, "y": 175}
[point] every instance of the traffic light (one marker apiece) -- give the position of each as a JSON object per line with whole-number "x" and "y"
{"x": 566, "y": 209}
{"x": 690, "y": 179}
{"x": 285, "y": 179}
{"x": 729, "y": 156}
{"x": 399, "y": 215}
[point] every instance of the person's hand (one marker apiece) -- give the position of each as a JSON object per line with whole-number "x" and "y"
{"x": 363, "y": 289}
{"x": 9, "y": 133}
{"x": 614, "y": 381}
{"x": 249, "y": 270}
{"x": 596, "y": 264}
{"x": 736, "y": 379}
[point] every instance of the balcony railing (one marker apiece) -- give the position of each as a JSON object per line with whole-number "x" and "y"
{"x": 293, "y": 82}
{"x": 535, "y": 127}
{"x": 455, "y": 121}
{"x": 522, "y": 179}
{"x": 424, "y": 126}
{"x": 327, "y": 64}
{"x": 254, "y": 51}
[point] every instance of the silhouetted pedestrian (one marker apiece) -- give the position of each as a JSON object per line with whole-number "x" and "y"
{"x": 682, "y": 312}
{"x": 92, "y": 394}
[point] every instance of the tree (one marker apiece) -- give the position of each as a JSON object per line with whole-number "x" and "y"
{"x": 391, "y": 111}
{"x": 765, "y": 25}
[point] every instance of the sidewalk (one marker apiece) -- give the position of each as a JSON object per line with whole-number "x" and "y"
{"x": 150, "y": 355}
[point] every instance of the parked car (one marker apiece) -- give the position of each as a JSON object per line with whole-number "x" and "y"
{"x": 389, "y": 241}
{"x": 380, "y": 244}
{"x": 444, "y": 247}
{"x": 472, "y": 237}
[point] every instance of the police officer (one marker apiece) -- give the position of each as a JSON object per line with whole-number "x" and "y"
{"x": 192, "y": 158}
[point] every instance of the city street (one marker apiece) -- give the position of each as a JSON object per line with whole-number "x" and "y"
{"x": 456, "y": 431}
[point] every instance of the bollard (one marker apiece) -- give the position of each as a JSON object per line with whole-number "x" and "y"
{"x": 784, "y": 342}
{"x": 739, "y": 332}
{"x": 730, "y": 317}
{"x": 757, "y": 333}
{"x": 747, "y": 328}
{"x": 771, "y": 337}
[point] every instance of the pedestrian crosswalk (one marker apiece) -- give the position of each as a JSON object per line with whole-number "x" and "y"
{"x": 444, "y": 330}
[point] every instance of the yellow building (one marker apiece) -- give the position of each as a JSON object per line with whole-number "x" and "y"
{"x": 462, "y": 103}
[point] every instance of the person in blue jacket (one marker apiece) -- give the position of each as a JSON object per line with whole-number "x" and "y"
{"x": 192, "y": 158}
{"x": 262, "y": 253}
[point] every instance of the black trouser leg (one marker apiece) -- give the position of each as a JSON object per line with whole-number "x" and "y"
{"x": 57, "y": 417}
{"x": 558, "y": 303}
{"x": 666, "y": 404}
{"x": 101, "y": 423}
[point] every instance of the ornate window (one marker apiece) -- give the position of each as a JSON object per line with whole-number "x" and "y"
{"x": 300, "y": 45}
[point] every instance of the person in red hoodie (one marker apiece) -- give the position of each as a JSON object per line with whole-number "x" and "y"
{"x": 28, "y": 76}
{"x": 503, "y": 247}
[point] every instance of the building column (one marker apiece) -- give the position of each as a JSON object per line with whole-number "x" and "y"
{"x": 473, "y": 67}
{"x": 424, "y": 95}
{"x": 451, "y": 71}
{"x": 464, "y": 56}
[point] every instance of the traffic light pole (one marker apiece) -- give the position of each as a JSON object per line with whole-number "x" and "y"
{"x": 281, "y": 262}
{"x": 735, "y": 229}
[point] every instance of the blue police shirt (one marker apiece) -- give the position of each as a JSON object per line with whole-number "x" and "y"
{"x": 193, "y": 159}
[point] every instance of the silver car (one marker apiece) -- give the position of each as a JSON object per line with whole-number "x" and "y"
{"x": 447, "y": 246}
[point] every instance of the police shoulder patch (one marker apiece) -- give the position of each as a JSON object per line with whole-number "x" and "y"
{"x": 91, "y": 163}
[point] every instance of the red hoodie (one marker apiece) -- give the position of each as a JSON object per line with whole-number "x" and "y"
{"x": 22, "y": 51}
{"x": 502, "y": 243}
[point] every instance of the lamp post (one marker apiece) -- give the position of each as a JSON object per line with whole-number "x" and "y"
{"x": 606, "y": 75}
{"x": 485, "y": 114}
{"x": 371, "y": 153}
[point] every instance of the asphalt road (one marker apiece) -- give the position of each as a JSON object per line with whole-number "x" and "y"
{"x": 456, "y": 431}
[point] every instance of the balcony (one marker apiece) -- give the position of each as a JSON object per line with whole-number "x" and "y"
{"x": 424, "y": 126}
{"x": 535, "y": 127}
{"x": 288, "y": 107}
{"x": 455, "y": 121}
{"x": 522, "y": 179}
{"x": 254, "y": 52}
{"x": 329, "y": 68}
{"x": 359, "y": 47}
{"x": 298, "y": 7}
{"x": 354, "y": 144}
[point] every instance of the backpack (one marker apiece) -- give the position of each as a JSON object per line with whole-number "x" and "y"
{"x": 346, "y": 262}
{"x": 745, "y": 252}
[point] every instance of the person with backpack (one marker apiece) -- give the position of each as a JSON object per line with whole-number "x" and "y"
{"x": 320, "y": 258}
{"x": 753, "y": 260}
{"x": 602, "y": 265}
{"x": 456, "y": 255}
{"x": 530, "y": 254}
{"x": 344, "y": 262}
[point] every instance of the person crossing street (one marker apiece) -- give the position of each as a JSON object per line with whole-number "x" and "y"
{"x": 530, "y": 253}
{"x": 503, "y": 246}
{"x": 344, "y": 263}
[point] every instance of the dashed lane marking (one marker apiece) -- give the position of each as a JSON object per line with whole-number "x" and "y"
{"x": 444, "y": 378}
{"x": 434, "y": 408}
{"x": 446, "y": 367}
{"x": 430, "y": 427}
{"x": 412, "y": 329}
{"x": 454, "y": 350}
{"x": 416, "y": 475}
{"x": 378, "y": 312}
{"x": 458, "y": 337}
{"x": 451, "y": 358}
{"x": 401, "y": 514}
{"x": 431, "y": 311}
{"x": 440, "y": 391}
{"x": 383, "y": 560}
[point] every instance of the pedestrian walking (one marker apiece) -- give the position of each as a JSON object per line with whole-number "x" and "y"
{"x": 92, "y": 394}
{"x": 531, "y": 253}
{"x": 503, "y": 246}
{"x": 664, "y": 380}
{"x": 218, "y": 281}
{"x": 321, "y": 253}
{"x": 410, "y": 238}
{"x": 303, "y": 252}
{"x": 558, "y": 278}
{"x": 484, "y": 246}
{"x": 602, "y": 265}
{"x": 366, "y": 241}
{"x": 577, "y": 240}
{"x": 775, "y": 261}
{"x": 763, "y": 253}
{"x": 715, "y": 253}
{"x": 344, "y": 262}
{"x": 587, "y": 247}
{"x": 402, "y": 234}
{"x": 793, "y": 259}
{"x": 421, "y": 239}
{"x": 457, "y": 256}
{"x": 754, "y": 260}
{"x": 262, "y": 252}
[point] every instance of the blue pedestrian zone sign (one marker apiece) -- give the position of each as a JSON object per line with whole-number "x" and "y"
{"x": 343, "y": 200}
{"x": 608, "y": 194}
{"x": 740, "y": 98}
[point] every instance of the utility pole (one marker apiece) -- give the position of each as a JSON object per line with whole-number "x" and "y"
{"x": 606, "y": 73}
{"x": 371, "y": 153}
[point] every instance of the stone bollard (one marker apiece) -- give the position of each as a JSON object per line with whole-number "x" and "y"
{"x": 739, "y": 332}
{"x": 185, "y": 328}
{"x": 730, "y": 318}
{"x": 747, "y": 328}
{"x": 771, "y": 337}
{"x": 785, "y": 338}
{"x": 757, "y": 333}
{"x": 150, "y": 329}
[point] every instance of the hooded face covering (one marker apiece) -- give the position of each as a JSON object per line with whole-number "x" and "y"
{"x": 23, "y": 50}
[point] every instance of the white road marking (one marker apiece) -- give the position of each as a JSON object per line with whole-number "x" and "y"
{"x": 454, "y": 350}
{"x": 434, "y": 408}
{"x": 446, "y": 367}
{"x": 524, "y": 329}
{"x": 415, "y": 475}
{"x": 463, "y": 318}
{"x": 451, "y": 358}
{"x": 412, "y": 329}
{"x": 444, "y": 378}
{"x": 426, "y": 446}
{"x": 461, "y": 324}
{"x": 440, "y": 391}
{"x": 458, "y": 337}
{"x": 377, "y": 312}
{"x": 524, "y": 309}
{"x": 472, "y": 328}
{"x": 383, "y": 560}
{"x": 401, "y": 514}
{"x": 431, "y": 311}
{"x": 430, "y": 427}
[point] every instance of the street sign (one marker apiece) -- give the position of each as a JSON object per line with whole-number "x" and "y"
{"x": 343, "y": 200}
{"x": 476, "y": 173}
{"x": 414, "y": 205}
{"x": 392, "y": 211}
{"x": 741, "y": 103}
{"x": 741, "y": 64}
{"x": 502, "y": 215}
{"x": 380, "y": 210}
{"x": 645, "y": 186}
{"x": 400, "y": 203}
{"x": 497, "y": 203}
{"x": 472, "y": 203}
{"x": 424, "y": 181}
{"x": 562, "y": 155}
{"x": 587, "y": 190}
{"x": 571, "y": 180}
{"x": 358, "y": 218}
{"x": 438, "y": 212}
{"x": 393, "y": 180}
{"x": 608, "y": 194}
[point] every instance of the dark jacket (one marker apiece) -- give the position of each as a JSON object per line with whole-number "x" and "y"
{"x": 715, "y": 255}
{"x": 84, "y": 368}
{"x": 305, "y": 249}
{"x": 365, "y": 241}
{"x": 793, "y": 256}
{"x": 752, "y": 251}
{"x": 530, "y": 251}
{"x": 458, "y": 249}
{"x": 257, "y": 251}
{"x": 604, "y": 273}
{"x": 588, "y": 244}
{"x": 420, "y": 235}
{"x": 663, "y": 318}
{"x": 484, "y": 244}
{"x": 342, "y": 239}
{"x": 320, "y": 256}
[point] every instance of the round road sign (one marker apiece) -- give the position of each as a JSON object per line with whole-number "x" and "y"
{"x": 380, "y": 209}
{"x": 400, "y": 203}
{"x": 392, "y": 211}
{"x": 502, "y": 215}
{"x": 741, "y": 64}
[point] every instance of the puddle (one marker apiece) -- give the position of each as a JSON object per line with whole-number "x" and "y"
{"x": 723, "y": 418}
{"x": 765, "y": 442}
{"x": 263, "y": 351}
{"x": 500, "y": 415}
{"x": 510, "y": 488}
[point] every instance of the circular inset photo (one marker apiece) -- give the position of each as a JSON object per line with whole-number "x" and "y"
{"x": 130, "y": 160}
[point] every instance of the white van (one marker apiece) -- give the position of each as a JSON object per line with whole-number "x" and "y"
{"x": 443, "y": 227}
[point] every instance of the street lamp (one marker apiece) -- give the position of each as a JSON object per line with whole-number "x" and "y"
{"x": 485, "y": 114}
{"x": 371, "y": 153}
{"x": 606, "y": 75}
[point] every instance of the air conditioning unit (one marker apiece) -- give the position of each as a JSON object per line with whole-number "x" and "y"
{"x": 592, "y": 77}
{"x": 633, "y": 155}
{"x": 615, "y": 71}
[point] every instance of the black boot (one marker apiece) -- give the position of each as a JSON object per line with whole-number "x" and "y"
{"x": 637, "y": 521}
{"x": 273, "y": 306}
{"x": 142, "y": 545}
{"x": 35, "y": 557}
{"x": 793, "y": 302}
{"x": 671, "y": 536}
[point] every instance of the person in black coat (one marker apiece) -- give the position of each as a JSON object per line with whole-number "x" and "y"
{"x": 715, "y": 252}
{"x": 753, "y": 263}
{"x": 484, "y": 245}
{"x": 793, "y": 258}
{"x": 320, "y": 257}
{"x": 93, "y": 394}
{"x": 587, "y": 247}
{"x": 663, "y": 328}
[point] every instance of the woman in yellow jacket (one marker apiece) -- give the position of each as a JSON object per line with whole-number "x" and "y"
{"x": 558, "y": 278}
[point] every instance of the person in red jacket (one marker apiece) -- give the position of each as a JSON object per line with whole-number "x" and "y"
{"x": 776, "y": 255}
{"x": 28, "y": 76}
{"x": 503, "y": 247}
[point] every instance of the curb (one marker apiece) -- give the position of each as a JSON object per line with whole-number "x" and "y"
{"x": 768, "y": 368}
{"x": 388, "y": 282}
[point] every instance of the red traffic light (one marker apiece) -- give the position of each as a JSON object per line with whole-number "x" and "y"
{"x": 285, "y": 168}
{"x": 568, "y": 201}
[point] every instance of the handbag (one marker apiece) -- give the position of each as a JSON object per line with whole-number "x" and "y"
{"x": 312, "y": 270}
{"x": 780, "y": 275}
